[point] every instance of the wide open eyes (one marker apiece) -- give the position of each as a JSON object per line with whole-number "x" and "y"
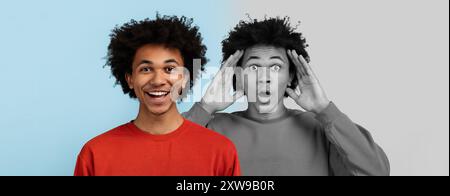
{"x": 253, "y": 67}
{"x": 274, "y": 68}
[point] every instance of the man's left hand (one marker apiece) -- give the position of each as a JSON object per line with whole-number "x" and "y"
{"x": 310, "y": 95}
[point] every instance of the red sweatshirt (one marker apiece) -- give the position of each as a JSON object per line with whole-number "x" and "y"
{"x": 190, "y": 150}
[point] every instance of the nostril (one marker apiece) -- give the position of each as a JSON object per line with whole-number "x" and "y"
{"x": 264, "y": 81}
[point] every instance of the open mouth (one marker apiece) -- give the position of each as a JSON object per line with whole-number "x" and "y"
{"x": 157, "y": 94}
{"x": 264, "y": 96}
{"x": 264, "y": 93}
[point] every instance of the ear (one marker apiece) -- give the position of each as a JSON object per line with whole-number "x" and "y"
{"x": 129, "y": 80}
{"x": 184, "y": 83}
{"x": 185, "y": 80}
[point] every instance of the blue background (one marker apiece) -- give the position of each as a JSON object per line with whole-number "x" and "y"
{"x": 56, "y": 95}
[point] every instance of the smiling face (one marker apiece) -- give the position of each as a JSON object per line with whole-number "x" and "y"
{"x": 155, "y": 74}
{"x": 266, "y": 76}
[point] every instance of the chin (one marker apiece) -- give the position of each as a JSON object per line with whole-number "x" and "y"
{"x": 159, "y": 110}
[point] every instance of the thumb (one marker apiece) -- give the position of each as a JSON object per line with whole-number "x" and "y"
{"x": 292, "y": 93}
{"x": 238, "y": 95}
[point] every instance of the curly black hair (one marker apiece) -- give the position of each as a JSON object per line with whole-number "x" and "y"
{"x": 170, "y": 31}
{"x": 270, "y": 31}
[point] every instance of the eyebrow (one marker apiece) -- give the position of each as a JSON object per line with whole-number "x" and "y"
{"x": 277, "y": 57}
{"x": 150, "y": 62}
{"x": 171, "y": 61}
{"x": 257, "y": 57}
{"x": 145, "y": 62}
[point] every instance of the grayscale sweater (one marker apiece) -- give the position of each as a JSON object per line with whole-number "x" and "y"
{"x": 299, "y": 143}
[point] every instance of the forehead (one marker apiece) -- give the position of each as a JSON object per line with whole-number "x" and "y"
{"x": 157, "y": 51}
{"x": 265, "y": 52}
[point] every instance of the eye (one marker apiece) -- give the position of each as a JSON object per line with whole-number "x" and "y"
{"x": 253, "y": 67}
{"x": 275, "y": 68}
{"x": 170, "y": 69}
{"x": 145, "y": 69}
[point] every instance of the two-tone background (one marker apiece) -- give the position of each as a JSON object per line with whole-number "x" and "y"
{"x": 384, "y": 63}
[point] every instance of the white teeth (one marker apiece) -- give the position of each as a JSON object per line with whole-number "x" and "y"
{"x": 160, "y": 93}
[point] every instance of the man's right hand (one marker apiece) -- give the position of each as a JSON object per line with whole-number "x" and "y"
{"x": 218, "y": 96}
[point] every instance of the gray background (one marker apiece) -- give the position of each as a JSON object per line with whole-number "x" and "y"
{"x": 385, "y": 64}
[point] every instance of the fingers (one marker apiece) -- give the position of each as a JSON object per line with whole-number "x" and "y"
{"x": 237, "y": 57}
{"x": 230, "y": 64}
{"x": 233, "y": 59}
{"x": 223, "y": 81}
{"x": 292, "y": 94}
{"x": 231, "y": 67}
{"x": 306, "y": 65}
{"x": 229, "y": 59}
{"x": 302, "y": 63}
{"x": 297, "y": 63}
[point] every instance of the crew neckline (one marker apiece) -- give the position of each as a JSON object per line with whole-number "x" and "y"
{"x": 164, "y": 137}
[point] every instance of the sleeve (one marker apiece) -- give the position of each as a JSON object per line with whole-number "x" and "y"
{"x": 352, "y": 150}
{"x": 83, "y": 166}
{"x": 198, "y": 115}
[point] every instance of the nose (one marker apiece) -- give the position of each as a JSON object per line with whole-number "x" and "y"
{"x": 158, "y": 79}
{"x": 264, "y": 76}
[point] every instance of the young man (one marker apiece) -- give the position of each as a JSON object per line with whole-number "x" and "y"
{"x": 272, "y": 140}
{"x": 148, "y": 59}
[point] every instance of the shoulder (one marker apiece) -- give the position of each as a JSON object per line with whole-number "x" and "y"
{"x": 105, "y": 139}
{"x": 304, "y": 119}
{"x": 227, "y": 119}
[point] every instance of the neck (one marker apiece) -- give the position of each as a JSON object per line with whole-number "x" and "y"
{"x": 253, "y": 112}
{"x": 158, "y": 124}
